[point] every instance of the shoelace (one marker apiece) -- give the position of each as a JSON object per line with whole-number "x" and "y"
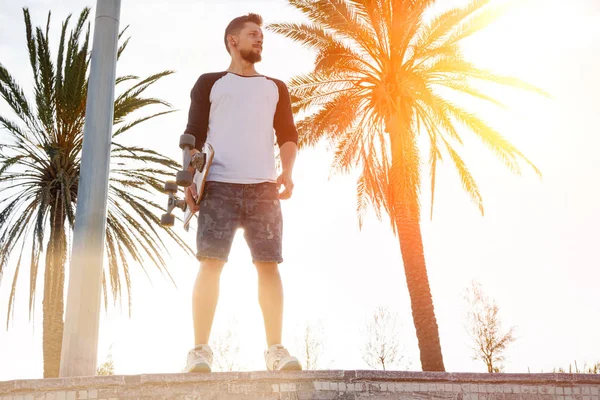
{"x": 202, "y": 353}
{"x": 281, "y": 352}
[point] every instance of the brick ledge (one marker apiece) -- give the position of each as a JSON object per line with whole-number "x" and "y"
{"x": 132, "y": 381}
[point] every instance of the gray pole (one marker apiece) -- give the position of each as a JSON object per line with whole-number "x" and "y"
{"x": 80, "y": 337}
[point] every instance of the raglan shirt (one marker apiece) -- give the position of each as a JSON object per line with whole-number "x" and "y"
{"x": 241, "y": 117}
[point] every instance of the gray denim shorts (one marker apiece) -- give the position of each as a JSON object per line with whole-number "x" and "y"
{"x": 226, "y": 207}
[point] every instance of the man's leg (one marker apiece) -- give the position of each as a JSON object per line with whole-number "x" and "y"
{"x": 218, "y": 219}
{"x": 270, "y": 297}
{"x": 205, "y": 298}
{"x": 263, "y": 231}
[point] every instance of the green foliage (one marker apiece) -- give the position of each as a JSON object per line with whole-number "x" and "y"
{"x": 108, "y": 366}
{"x": 575, "y": 369}
{"x": 40, "y": 162}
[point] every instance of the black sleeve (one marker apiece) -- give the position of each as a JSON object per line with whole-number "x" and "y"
{"x": 283, "y": 122}
{"x": 199, "y": 110}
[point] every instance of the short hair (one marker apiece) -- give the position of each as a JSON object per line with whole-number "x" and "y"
{"x": 236, "y": 25}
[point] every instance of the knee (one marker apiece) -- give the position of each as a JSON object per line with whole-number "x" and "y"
{"x": 269, "y": 269}
{"x": 211, "y": 267}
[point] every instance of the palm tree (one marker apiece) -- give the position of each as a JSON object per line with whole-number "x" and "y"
{"x": 381, "y": 79}
{"x": 39, "y": 172}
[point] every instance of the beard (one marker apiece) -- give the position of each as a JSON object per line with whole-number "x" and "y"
{"x": 250, "y": 56}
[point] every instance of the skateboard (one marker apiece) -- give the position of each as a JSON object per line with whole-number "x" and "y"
{"x": 185, "y": 178}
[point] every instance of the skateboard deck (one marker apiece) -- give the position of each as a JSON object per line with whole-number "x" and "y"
{"x": 199, "y": 179}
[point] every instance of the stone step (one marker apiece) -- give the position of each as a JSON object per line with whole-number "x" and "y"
{"x": 305, "y": 385}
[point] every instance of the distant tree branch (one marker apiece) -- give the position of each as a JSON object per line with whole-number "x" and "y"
{"x": 484, "y": 327}
{"x": 381, "y": 347}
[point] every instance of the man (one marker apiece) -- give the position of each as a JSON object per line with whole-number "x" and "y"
{"x": 241, "y": 114}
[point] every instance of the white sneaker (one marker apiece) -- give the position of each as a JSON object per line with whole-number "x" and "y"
{"x": 278, "y": 359}
{"x": 200, "y": 359}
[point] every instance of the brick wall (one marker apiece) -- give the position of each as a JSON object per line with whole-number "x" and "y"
{"x": 318, "y": 385}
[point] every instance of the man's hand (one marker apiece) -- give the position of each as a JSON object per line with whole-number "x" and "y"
{"x": 285, "y": 179}
{"x": 191, "y": 194}
{"x": 192, "y": 153}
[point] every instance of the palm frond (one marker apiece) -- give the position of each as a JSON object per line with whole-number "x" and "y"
{"x": 140, "y": 87}
{"x": 14, "y": 96}
{"x": 113, "y": 265}
{"x": 125, "y": 78}
{"x": 58, "y": 90}
{"x": 435, "y": 117}
{"x": 306, "y": 85}
{"x": 466, "y": 88}
{"x": 15, "y": 229}
{"x": 362, "y": 200}
{"x": 46, "y": 81}
{"x": 143, "y": 155}
{"x": 377, "y": 186}
{"x": 11, "y": 309}
{"x": 352, "y": 140}
{"x": 492, "y": 138}
{"x": 309, "y": 35}
{"x": 128, "y": 105}
{"x": 36, "y": 250}
{"x": 338, "y": 59}
{"x": 372, "y": 11}
{"x": 347, "y": 152}
{"x": 129, "y": 125}
{"x": 31, "y": 46}
{"x": 333, "y": 119}
{"x": 479, "y": 20}
{"x": 122, "y": 47}
{"x": 443, "y": 24}
{"x": 469, "y": 184}
{"x": 461, "y": 69}
{"x": 342, "y": 18}
{"x": 125, "y": 268}
{"x": 405, "y": 20}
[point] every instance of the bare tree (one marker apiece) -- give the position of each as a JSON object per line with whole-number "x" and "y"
{"x": 310, "y": 345}
{"x": 381, "y": 347}
{"x": 226, "y": 349}
{"x": 485, "y": 328}
{"x": 108, "y": 366}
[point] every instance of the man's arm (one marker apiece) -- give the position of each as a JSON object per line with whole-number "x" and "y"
{"x": 197, "y": 126}
{"x": 287, "y": 152}
{"x": 198, "y": 114}
{"x": 287, "y": 138}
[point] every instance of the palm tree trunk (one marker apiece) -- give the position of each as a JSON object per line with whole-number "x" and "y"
{"x": 411, "y": 246}
{"x": 53, "y": 303}
{"x": 405, "y": 180}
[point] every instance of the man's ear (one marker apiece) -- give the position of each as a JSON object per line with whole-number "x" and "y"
{"x": 231, "y": 40}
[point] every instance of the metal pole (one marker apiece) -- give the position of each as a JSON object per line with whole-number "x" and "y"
{"x": 80, "y": 337}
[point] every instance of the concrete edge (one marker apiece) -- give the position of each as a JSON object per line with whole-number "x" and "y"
{"x": 86, "y": 382}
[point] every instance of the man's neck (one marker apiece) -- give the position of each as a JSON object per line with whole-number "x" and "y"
{"x": 242, "y": 67}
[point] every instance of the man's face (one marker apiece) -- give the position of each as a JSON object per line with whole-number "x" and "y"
{"x": 249, "y": 42}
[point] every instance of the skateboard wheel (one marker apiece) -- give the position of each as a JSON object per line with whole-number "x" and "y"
{"x": 167, "y": 220}
{"x": 187, "y": 140}
{"x": 184, "y": 178}
{"x": 171, "y": 187}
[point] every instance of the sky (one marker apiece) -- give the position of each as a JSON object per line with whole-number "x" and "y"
{"x": 534, "y": 252}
